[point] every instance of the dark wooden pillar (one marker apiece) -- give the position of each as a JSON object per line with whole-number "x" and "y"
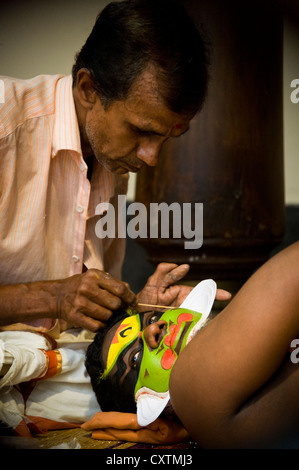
{"x": 231, "y": 160}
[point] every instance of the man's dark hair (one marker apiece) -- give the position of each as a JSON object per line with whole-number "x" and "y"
{"x": 129, "y": 35}
{"x": 109, "y": 394}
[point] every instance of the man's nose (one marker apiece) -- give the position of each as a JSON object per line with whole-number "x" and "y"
{"x": 154, "y": 333}
{"x": 148, "y": 152}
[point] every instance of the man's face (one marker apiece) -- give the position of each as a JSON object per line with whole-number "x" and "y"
{"x": 143, "y": 348}
{"x": 130, "y": 133}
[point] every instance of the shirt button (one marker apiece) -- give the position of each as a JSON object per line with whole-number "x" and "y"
{"x": 82, "y": 167}
{"x": 79, "y": 209}
{"x": 75, "y": 258}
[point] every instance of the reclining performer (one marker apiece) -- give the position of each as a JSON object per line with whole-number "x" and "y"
{"x": 234, "y": 385}
{"x": 43, "y": 379}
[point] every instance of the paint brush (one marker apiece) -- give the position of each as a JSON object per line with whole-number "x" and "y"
{"x": 155, "y": 306}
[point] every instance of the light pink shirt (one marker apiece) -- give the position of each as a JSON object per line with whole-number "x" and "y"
{"x": 47, "y": 204}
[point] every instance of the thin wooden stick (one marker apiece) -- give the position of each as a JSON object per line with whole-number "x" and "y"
{"x": 150, "y": 305}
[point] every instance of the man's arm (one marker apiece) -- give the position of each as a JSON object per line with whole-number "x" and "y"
{"x": 83, "y": 300}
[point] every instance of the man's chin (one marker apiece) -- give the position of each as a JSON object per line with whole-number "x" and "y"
{"x": 120, "y": 171}
{"x": 115, "y": 169}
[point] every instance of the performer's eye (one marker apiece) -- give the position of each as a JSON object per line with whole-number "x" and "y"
{"x": 154, "y": 318}
{"x": 134, "y": 359}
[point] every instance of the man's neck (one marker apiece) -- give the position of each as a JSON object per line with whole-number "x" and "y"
{"x": 81, "y": 116}
{"x": 89, "y": 162}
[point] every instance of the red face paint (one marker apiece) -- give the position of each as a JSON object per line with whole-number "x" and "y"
{"x": 175, "y": 329}
{"x": 168, "y": 359}
{"x": 169, "y": 356}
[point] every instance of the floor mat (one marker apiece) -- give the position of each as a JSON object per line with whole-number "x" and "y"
{"x": 83, "y": 440}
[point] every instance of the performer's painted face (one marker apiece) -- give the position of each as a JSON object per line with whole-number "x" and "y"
{"x": 142, "y": 349}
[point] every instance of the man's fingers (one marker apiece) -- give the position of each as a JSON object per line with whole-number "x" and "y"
{"x": 88, "y": 300}
{"x": 223, "y": 295}
{"x": 177, "y": 273}
{"x": 84, "y": 321}
{"x": 167, "y": 274}
{"x": 108, "y": 300}
{"x": 113, "y": 286}
{"x": 90, "y": 315}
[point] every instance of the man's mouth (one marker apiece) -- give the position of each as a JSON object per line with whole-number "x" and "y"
{"x": 134, "y": 169}
{"x": 131, "y": 168}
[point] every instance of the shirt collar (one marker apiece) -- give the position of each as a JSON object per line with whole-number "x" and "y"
{"x": 66, "y": 135}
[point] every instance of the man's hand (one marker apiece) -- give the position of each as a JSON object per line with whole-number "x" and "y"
{"x": 160, "y": 288}
{"x": 89, "y": 299}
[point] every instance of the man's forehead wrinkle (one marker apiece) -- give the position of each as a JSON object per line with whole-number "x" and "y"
{"x": 145, "y": 119}
{"x": 160, "y": 118}
{"x": 147, "y": 79}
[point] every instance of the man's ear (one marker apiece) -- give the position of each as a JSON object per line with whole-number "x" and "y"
{"x": 85, "y": 91}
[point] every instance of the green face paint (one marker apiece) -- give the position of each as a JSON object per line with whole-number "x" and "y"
{"x": 157, "y": 364}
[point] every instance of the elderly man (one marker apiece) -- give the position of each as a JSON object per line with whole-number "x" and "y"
{"x": 67, "y": 144}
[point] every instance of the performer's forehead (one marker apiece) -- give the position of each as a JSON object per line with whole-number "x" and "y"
{"x": 120, "y": 336}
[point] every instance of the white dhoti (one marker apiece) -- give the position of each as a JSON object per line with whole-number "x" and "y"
{"x": 47, "y": 384}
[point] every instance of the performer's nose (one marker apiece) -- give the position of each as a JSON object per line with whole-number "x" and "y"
{"x": 154, "y": 333}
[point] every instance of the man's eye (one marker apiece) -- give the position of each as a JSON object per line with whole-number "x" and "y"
{"x": 138, "y": 131}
